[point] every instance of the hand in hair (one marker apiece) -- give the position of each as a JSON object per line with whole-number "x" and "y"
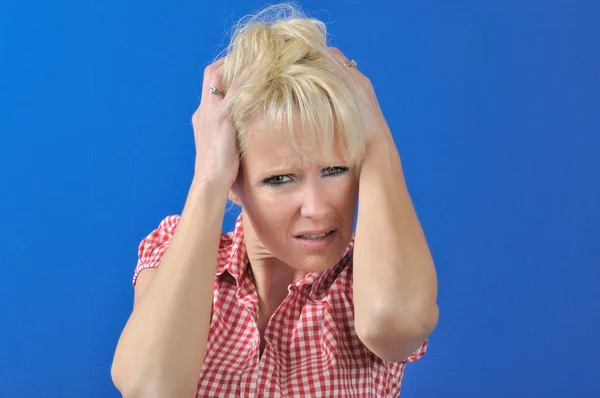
{"x": 217, "y": 155}
{"x": 375, "y": 125}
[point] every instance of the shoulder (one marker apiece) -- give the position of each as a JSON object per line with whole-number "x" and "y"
{"x": 152, "y": 247}
{"x": 159, "y": 236}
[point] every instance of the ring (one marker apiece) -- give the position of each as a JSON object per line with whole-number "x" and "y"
{"x": 215, "y": 91}
{"x": 350, "y": 64}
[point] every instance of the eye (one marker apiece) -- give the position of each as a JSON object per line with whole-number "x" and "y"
{"x": 334, "y": 171}
{"x": 277, "y": 180}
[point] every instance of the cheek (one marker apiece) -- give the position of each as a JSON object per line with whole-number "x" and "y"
{"x": 346, "y": 195}
{"x": 347, "y": 199}
{"x": 269, "y": 213}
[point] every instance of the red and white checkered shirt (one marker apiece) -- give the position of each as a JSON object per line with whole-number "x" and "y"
{"x": 312, "y": 349}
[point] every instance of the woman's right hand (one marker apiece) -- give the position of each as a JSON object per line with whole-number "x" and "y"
{"x": 217, "y": 155}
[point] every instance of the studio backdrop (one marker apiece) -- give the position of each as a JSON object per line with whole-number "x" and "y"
{"x": 494, "y": 106}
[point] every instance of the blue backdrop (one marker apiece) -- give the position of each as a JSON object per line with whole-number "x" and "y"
{"x": 494, "y": 105}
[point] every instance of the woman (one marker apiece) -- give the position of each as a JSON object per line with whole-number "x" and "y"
{"x": 291, "y": 303}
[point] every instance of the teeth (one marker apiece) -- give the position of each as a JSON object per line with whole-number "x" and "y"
{"x": 315, "y": 237}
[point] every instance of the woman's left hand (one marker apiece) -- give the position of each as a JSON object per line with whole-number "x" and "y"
{"x": 372, "y": 115}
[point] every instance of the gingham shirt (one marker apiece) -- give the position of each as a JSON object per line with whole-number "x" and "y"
{"x": 312, "y": 349}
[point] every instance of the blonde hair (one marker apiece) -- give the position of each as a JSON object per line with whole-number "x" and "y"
{"x": 292, "y": 80}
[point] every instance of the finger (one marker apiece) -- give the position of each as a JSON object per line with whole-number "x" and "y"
{"x": 337, "y": 52}
{"x": 224, "y": 107}
{"x": 339, "y": 56}
{"x": 219, "y": 62}
{"x": 339, "y": 60}
{"x": 211, "y": 70}
{"x": 238, "y": 82}
{"x": 342, "y": 64}
{"x": 213, "y": 77}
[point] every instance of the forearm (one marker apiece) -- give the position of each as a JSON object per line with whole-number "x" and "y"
{"x": 395, "y": 285}
{"x": 162, "y": 348}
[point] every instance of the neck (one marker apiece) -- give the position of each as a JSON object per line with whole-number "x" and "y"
{"x": 271, "y": 275}
{"x": 272, "y": 278}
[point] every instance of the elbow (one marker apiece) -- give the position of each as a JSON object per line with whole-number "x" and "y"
{"x": 426, "y": 320}
{"x": 395, "y": 335}
{"x": 139, "y": 382}
{"x": 135, "y": 382}
{"x": 116, "y": 375}
{"x": 136, "y": 385}
{"x": 138, "y": 372}
{"x": 122, "y": 381}
{"x": 382, "y": 316}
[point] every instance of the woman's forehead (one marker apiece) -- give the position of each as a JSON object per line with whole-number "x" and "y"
{"x": 274, "y": 141}
{"x": 275, "y": 156}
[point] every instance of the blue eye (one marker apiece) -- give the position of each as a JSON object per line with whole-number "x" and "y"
{"x": 277, "y": 180}
{"x": 334, "y": 171}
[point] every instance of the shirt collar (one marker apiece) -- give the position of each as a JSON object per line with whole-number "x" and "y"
{"x": 235, "y": 260}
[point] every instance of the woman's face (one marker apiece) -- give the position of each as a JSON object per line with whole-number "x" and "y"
{"x": 301, "y": 212}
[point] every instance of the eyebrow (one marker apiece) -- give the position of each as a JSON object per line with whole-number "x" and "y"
{"x": 278, "y": 171}
{"x": 288, "y": 164}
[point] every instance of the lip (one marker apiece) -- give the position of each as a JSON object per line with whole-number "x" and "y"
{"x": 314, "y": 232}
{"x": 317, "y": 244}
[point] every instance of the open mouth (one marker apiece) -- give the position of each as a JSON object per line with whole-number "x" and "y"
{"x": 316, "y": 237}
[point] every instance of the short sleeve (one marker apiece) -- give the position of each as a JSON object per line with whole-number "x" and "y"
{"x": 395, "y": 370}
{"x": 153, "y": 247}
{"x": 418, "y": 353}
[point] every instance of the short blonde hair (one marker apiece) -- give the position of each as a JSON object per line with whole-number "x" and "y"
{"x": 292, "y": 81}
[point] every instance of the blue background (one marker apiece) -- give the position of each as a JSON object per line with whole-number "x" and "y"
{"x": 495, "y": 107}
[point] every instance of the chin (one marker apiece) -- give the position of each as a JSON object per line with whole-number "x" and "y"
{"x": 311, "y": 264}
{"x": 319, "y": 262}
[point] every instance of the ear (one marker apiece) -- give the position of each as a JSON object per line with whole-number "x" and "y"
{"x": 233, "y": 196}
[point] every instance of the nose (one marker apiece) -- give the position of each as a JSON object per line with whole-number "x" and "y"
{"x": 314, "y": 203}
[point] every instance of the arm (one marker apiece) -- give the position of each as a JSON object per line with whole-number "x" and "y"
{"x": 162, "y": 347}
{"x": 394, "y": 278}
{"x": 395, "y": 285}
{"x": 161, "y": 350}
